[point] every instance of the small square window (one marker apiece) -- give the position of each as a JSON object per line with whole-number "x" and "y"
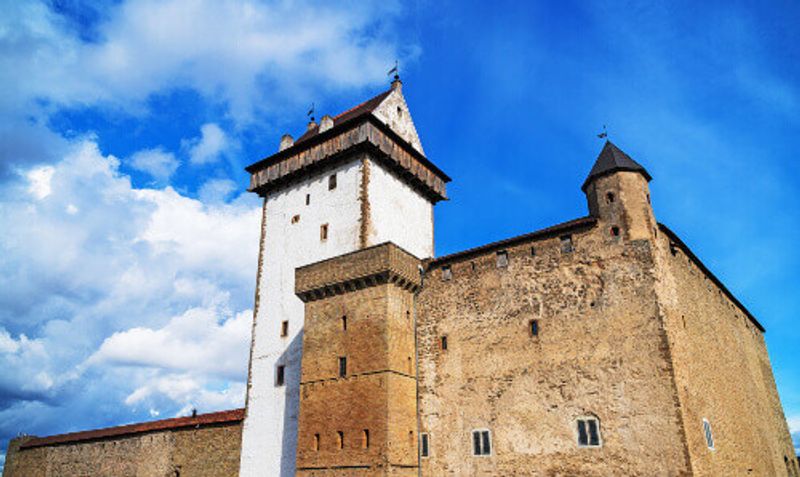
{"x": 481, "y": 442}
{"x": 566, "y": 244}
{"x": 447, "y": 273}
{"x": 502, "y": 259}
{"x": 342, "y": 366}
{"x": 323, "y": 232}
{"x": 424, "y": 445}
{"x": 280, "y": 372}
{"x": 332, "y": 182}
{"x": 295, "y": 219}
{"x": 534, "y": 327}
{"x": 588, "y": 432}
{"x": 284, "y": 329}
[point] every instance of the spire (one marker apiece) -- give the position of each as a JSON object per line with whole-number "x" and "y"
{"x": 612, "y": 159}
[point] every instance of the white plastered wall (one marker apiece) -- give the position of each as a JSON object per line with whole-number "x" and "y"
{"x": 393, "y": 111}
{"x": 269, "y": 435}
{"x": 399, "y": 213}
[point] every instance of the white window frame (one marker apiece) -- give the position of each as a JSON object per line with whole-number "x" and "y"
{"x": 472, "y": 442}
{"x": 708, "y": 434}
{"x": 588, "y": 445}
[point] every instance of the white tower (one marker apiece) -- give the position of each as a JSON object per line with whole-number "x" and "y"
{"x": 352, "y": 181}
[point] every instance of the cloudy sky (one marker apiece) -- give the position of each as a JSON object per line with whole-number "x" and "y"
{"x": 128, "y": 244}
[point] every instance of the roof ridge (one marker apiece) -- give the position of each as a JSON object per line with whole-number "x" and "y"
{"x": 218, "y": 417}
{"x": 385, "y": 93}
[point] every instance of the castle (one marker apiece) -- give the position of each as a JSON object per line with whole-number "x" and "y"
{"x": 598, "y": 346}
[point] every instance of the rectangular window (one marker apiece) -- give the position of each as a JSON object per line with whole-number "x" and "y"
{"x": 588, "y": 432}
{"x": 444, "y": 343}
{"x": 308, "y": 199}
{"x": 708, "y": 434}
{"x": 316, "y": 442}
{"x": 344, "y": 323}
{"x": 342, "y": 366}
{"x": 502, "y": 259}
{"x": 284, "y": 329}
{"x": 365, "y": 439}
{"x": 423, "y": 445}
{"x": 566, "y": 244}
{"x": 481, "y": 442}
{"x": 323, "y": 232}
{"x": 332, "y": 182}
{"x": 340, "y": 439}
{"x": 533, "y": 251}
{"x": 279, "y": 375}
{"x": 534, "y": 325}
{"x": 447, "y": 273}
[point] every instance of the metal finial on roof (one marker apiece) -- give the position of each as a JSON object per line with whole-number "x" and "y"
{"x": 395, "y": 70}
{"x": 604, "y": 134}
{"x": 310, "y": 113}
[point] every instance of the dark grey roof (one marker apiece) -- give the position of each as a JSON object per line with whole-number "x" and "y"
{"x": 612, "y": 159}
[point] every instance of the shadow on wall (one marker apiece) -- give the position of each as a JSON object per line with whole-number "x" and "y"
{"x": 291, "y": 360}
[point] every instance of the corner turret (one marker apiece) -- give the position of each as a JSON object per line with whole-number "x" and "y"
{"x": 619, "y": 196}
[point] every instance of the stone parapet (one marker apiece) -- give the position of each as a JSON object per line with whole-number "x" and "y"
{"x": 384, "y": 263}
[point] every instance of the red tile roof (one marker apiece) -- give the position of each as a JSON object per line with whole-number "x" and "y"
{"x": 222, "y": 417}
{"x": 357, "y": 111}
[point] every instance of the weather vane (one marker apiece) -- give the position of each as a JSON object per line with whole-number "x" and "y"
{"x": 603, "y": 134}
{"x": 394, "y": 70}
{"x": 310, "y": 113}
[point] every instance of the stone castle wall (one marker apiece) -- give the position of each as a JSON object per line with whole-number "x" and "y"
{"x": 600, "y": 351}
{"x": 722, "y": 372}
{"x": 358, "y": 307}
{"x": 203, "y": 451}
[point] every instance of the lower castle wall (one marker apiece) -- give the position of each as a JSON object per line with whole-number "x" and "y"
{"x": 600, "y": 351}
{"x": 211, "y": 451}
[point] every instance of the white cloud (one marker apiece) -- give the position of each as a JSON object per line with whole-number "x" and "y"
{"x": 209, "y": 146}
{"x": 39, "y": 181}
{"x": 216, "y": 190}
{"x": 199, "y": 341}
{"x": 156, "y": 162}
{"x": 243, "y": 54}
{"x": 105, "y": 288}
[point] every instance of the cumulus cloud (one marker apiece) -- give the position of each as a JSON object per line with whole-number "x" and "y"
{"x": 208, "y": 147}
{"x": 216, "y": 190}
{"x": 232, "y": 52}
{"x": 107, "y": 289}
{"x": 160, "y": 165}
{"x": 201, "y": 340}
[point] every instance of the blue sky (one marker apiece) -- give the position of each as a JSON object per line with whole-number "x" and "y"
{"x": 127, "y": 258}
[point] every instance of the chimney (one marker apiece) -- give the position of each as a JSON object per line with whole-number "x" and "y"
{"x": 287, "y": 141}
{"x": 326, "y": 123}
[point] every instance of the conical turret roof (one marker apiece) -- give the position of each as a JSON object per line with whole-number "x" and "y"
{"x": 612, "y": 159}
